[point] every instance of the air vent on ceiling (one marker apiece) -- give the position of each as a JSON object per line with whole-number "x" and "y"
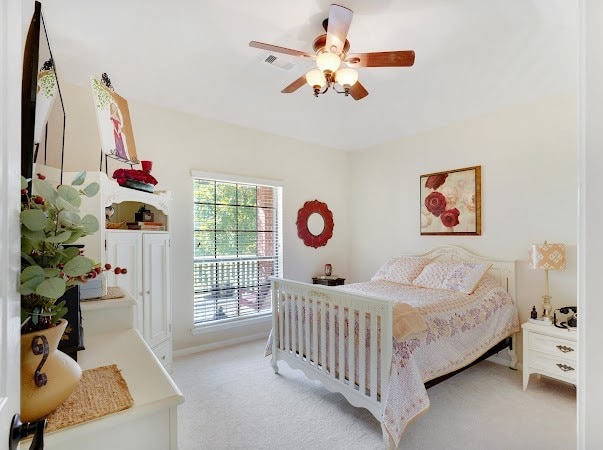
{"x": 279, "y": 62}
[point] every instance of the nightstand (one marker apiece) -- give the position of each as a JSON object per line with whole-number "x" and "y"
{"x": 549, "y": 351}
{"x": 328, "y": 281}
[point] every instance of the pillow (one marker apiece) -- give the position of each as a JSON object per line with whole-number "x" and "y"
{"x": 453, "y": 276}
{"x": 403, "y": 269}
{"x": 465, "y": 277}
{"x": 434, "y": 274}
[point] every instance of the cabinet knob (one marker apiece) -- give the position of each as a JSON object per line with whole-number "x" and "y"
{"x": 148, "y": 292}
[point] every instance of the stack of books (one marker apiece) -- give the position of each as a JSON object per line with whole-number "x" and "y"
{"x": 154, "y": 226}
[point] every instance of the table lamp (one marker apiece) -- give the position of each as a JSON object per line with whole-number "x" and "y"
{"x": 547, "y": 257}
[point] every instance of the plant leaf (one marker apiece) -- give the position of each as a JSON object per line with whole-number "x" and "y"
{"x": 51, "y": 272}
{"x": 75, "y": 235}
{"x": 33, "y": 219}
{"x": 70, "y": 219}
{"x": 59, "y": 238}
{"x": 23, "y": 182}
{"x": 51, "y": 288}
{"x": 31, "y": 272}
{"x": 44, "y": 189}
{"x": 68, "y": 206}
{"x": 79, "y": 179}
{"x": 68, "y": 193}
{"x": 26, "y": 257}
{"x": 78, "y": 266}
{"x": 70, "y": 253}
{"x": 89, "y": 224}
{"x": 33, "y": 236}
{"x": 91, "y": 189}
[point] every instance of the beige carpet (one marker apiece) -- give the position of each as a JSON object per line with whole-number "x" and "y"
{"x": 235, "y": 401}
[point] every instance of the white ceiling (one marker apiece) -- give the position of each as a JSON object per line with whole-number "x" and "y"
{"x": 472, "y": 56}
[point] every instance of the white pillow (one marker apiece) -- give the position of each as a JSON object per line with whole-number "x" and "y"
{"x": 434, "y": 274}
{"x": 453, "y": 276}
{"x": 403, "y": 269}
{"x": 465, "y": 277}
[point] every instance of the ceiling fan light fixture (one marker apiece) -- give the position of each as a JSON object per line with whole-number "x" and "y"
{"x": 328, "y": 62}
{"x": 346, "y": 78}
{"x": 316, "y": 79}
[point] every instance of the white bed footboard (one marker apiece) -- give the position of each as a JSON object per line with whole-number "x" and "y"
{"x": 302, "y": 314}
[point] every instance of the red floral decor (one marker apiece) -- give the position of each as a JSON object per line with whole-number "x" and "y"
{"x": 124, "y": 175}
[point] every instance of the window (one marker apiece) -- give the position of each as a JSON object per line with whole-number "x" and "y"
{"x": 237, "y": 248}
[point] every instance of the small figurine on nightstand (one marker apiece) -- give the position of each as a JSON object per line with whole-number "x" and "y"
{"x": 534, "y": 314}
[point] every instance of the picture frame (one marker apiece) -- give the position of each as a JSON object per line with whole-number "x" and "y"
{"x": 114, "y": 124}
{"x": 450, "y": 202}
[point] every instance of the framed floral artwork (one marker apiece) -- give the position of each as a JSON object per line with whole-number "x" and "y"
{"x": 451, "y": 202}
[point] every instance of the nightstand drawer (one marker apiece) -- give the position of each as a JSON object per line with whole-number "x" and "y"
{"x": 556, "y": 347}
{"x": 559, "y": 368}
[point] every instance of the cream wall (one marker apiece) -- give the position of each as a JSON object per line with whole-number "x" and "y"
{"x": 178, "y": 142}
{"x": 528, "y": 156}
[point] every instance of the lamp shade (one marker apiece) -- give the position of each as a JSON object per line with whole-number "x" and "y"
{"x": 315, "y": 78}
{"x": 346, "y": 77}
{"x": 328, "y": 62}
{"x": 547, "y": 256}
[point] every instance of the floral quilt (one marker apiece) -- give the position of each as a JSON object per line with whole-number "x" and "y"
{"x": 459, "y": 329}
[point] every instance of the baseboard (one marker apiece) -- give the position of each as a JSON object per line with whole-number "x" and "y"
{"x": 220, "y": 344}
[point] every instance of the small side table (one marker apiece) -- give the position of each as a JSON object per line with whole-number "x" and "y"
{"x": 328, "y": 281}
{"x": 549, "y": 351}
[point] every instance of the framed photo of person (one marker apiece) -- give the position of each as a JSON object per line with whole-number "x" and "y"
{"x": 114, "y": 124}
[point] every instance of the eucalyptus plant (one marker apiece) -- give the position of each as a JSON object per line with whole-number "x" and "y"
{"x": 50, "y": 222}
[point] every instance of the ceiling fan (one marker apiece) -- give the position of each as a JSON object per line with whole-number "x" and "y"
{"x": 335, "y": 66}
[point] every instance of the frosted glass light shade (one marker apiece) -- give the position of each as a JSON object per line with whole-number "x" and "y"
{"x": 346, "y": 77}
{"x": 327, "y": 61}
{"x": 316, "y": 78}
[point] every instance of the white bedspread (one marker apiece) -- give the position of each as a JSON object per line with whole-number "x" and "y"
{"x": 460, "y": 328}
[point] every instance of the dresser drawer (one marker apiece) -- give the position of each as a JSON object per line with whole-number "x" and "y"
{"x": 553, "y": 346}
{"x": 559, "y": 368}
{"x": 163, "y": 352}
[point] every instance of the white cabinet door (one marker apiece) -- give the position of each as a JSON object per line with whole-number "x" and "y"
{"x": 124, "y": 249}
{"x": 157, "y": 288}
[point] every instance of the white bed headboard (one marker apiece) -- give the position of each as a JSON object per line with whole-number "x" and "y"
{"x": 502, "y": 270}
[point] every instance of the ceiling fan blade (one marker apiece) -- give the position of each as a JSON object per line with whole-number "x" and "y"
{"x": 357, "y": 91}
{"x": 295, "y": 85}
{"x": 339, "y": 22}
{"x": 402, "y": 58}
{"x": 276, "y": 48}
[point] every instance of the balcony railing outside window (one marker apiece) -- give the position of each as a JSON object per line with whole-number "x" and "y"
{"x": 236, "y": 249}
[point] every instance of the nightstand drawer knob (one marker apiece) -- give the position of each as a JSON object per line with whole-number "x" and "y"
{"x": 565, "y": 367}
{"x": 565, "y": 349}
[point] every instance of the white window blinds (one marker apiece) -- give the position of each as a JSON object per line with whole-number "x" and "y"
{"x": 236, "y": 248}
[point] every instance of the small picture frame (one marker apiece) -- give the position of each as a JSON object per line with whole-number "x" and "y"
{"x": 145, "y": 216}
{"x": 450, "y": 202}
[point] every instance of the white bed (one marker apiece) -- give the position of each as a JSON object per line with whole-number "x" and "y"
{"x": 423, "y": 334}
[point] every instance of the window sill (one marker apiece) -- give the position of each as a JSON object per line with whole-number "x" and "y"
{"x": 231, "y": 324}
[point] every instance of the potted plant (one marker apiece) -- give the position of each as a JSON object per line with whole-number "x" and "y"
{"x": 50, "y": 222}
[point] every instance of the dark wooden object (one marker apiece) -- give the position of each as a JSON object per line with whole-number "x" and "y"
{"x": 72, "y": 340}
{"x": 328, "y": 281}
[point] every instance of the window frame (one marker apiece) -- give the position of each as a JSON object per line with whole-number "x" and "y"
{"x": 251, "y": 319}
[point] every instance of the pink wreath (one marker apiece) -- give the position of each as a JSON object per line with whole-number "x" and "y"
{"x": 303, "y": 231}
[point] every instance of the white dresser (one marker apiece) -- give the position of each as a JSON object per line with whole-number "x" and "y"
{"x": 549, "y": 351}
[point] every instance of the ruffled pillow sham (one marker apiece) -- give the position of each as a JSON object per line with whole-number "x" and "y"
{"x": 402, "y": 269}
